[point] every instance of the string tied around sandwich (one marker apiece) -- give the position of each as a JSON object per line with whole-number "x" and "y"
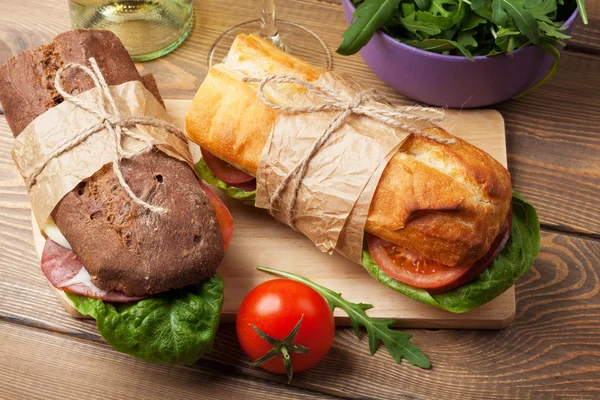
{"x": 361, "y": 104}
{"x": 109, "y": 120}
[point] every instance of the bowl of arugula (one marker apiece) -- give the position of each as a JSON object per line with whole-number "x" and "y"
{"x": 460, "y": 53}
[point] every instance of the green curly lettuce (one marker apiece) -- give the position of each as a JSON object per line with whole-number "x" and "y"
{"x": 175, "y": 327}
{"x": 207, "y": 175}
{"x": 513, "y": 261}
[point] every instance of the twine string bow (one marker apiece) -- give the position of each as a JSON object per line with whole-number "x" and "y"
{"x": 109, "y": 119}
{"x": 361, "y": 104}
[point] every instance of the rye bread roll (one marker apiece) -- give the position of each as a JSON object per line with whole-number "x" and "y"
{"x": 446, "y": 202}
{"x": 123, "y": 246}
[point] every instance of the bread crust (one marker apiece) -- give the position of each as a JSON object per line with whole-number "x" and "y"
{"x": 447, "y": 202}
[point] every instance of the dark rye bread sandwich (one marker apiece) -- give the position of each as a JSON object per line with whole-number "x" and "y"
{"x": 107, "y": 248}
{"x": 444, "y": 226}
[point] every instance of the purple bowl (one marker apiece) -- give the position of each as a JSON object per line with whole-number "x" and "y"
{"x": 454, "y": 81}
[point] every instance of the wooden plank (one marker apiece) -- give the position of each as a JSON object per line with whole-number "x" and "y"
{"x": 40, "y": 365}
{"x": 551, "y": 350}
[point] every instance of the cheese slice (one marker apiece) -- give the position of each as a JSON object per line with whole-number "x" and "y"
{"x": 52, "y": 231}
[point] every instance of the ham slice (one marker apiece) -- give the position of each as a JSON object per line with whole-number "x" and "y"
{"x": 66, "y": 272}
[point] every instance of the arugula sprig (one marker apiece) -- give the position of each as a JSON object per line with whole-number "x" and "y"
{"x": 378, "y": 329}
{"x": 462, "y": 27}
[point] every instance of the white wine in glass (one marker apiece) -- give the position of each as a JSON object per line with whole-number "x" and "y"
{"x": 288, "y": 36}
{"x": 147, "y": 28}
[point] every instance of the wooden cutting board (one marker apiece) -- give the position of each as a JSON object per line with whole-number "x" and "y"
{"x": 260, "y": 240}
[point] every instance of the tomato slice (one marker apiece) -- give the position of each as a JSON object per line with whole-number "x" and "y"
{"x": 224, "y": 171}
{"x": 223, "y": 215}
{"x": 409, "y": 267}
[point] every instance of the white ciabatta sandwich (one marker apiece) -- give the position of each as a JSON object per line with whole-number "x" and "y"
{"x": 444, "y": 226}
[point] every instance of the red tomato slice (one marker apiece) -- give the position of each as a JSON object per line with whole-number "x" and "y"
{"x": 223, "y": 215}
{"x": 224, "y": 171}
{"x": 411, "y": 268}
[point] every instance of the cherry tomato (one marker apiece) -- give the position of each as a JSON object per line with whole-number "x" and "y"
{"x": 275, "y": 307}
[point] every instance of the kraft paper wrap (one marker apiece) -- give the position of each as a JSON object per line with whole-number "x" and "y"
{"x": 335, "y": 195}
{"x": 66, "y": 171}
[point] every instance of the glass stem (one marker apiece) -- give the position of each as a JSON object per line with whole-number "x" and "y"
{"x": 268, "y": 27}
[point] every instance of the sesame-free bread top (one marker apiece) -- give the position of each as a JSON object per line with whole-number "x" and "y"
{"x": 445, "y": 201}
{"x": 123, "y": 246}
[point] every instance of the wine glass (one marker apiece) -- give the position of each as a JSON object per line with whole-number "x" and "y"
{"x": 287, "y": 35}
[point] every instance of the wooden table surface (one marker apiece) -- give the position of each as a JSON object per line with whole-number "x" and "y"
{"x": 552, "y": 349}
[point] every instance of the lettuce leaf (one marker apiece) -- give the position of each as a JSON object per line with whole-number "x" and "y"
{"x": 175, "y": 327}
{"x": 513, "y": 261}
{"x": 207, "y": 175}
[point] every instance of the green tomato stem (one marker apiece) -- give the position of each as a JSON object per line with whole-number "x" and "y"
{"x": 281, "y": 348}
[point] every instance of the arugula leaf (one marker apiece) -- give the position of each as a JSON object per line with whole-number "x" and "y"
{"x": 499, "y": 14}
{"x": 545, "y": 8}
{"x": 509, "y": 39}
{"x": 552, "y": 31}
{"x": 582, "y": 12}
{"x": 522, "y": 17}
{"x": 513, "y": 261}
{"x": 207, "y": 175}
{"x": 369, "y": 16}
{"x": 437, "y": 7}
{"x": 483, "y": 8}
{"x": 439, "y": 16}
{"x": 440, "y": 45}
{"x": 175, "y": 327}
{"x": 378, "y": 330}
{"x": 422, "y": 4}
{"x": 466, "y": 38}
{"x": 408, "y": 9}
{"x": 472, "y": 21}
{"x": 438, "y": 21}
{"x": 418, "y": 27}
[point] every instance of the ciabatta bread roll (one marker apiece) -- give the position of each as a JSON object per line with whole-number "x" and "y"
{"x": 445, "y": 201}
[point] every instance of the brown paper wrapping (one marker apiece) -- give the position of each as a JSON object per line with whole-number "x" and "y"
{"x": 335, "y": 195}
{"x": 66, "y": 171}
